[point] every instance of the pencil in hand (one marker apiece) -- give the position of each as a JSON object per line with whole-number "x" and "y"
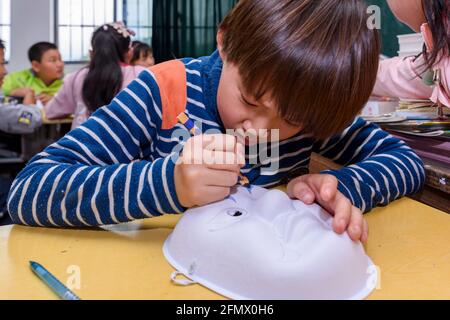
{"x": 192, "y": 128}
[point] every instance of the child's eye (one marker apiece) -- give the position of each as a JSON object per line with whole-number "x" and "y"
{"x": 291, "y": 124}
{"x": 247, "y": 103}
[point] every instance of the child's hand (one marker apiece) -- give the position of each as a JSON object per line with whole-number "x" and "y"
{"x": 44, "y": 98}
{"x": 29, "y": 98}
{"x": 323, "y": 189}
{"x": 208, "y": 168}
{"x": 22, "y": 92}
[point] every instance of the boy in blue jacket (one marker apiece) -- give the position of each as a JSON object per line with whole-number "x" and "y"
{"x": 300, "y": 69}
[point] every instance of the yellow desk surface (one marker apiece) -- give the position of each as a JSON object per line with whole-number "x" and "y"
{"x": 67, "y": 120}
{"x": 409, "y": 241}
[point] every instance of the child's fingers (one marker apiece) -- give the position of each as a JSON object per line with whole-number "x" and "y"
{"x": 342, "y": 214}
{"x": 220, "y": 178}
{"x": 219, "y": 142}
{"x": 240, "y": 153}
{"x": 356, "y": 226}
{"x": 225, "y": 167}
{"x": 298, "y": 189}
{"x": 211, "y": 158}
{"x": 212, "y": 194}
{"x": 365, "y": 235}
{"x": 328, "y": 187}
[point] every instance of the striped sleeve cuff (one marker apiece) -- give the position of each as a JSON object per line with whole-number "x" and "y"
{"x": 358, "y": 194}
{"x": 163, "y": 180}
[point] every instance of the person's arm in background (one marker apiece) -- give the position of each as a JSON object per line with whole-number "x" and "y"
{"x": 29, "y": 98}
{"x": 44, "y": 98}
{"x": 63, "y": 104}
{"x": 378, "y": 167}
{"x": 401, "y": 78}
{"x": 11, "y": 85}
{"x": 19, "y": 119}
{"x": 94, "y": 175}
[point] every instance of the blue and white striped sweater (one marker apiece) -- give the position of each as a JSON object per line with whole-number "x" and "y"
{"x": 119, "y": 165}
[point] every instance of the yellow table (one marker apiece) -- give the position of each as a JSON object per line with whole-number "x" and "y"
{"x": 409, "y": 241}
{"x": 45, "y": 120}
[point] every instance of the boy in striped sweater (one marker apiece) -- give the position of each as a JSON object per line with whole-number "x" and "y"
{"x": 302, "y": 67}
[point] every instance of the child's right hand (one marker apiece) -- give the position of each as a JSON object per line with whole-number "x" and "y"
{"x": 29, "y": 98}
{"x": 22, "y": 92}
{"x": 44, "y": 98}
{"x": 207, "y": 169}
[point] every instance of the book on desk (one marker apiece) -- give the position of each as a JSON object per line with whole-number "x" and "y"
{"x": 417, "y": 123}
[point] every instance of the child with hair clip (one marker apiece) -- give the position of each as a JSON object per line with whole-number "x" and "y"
{"x": 95, "y": 86}
{"x": 428, "y": 75}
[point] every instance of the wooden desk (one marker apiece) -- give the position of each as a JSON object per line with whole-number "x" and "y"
{"x": 436, "y": 192}
{"x": 409, "y": 241}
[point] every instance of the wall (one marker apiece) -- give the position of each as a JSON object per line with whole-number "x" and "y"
{"x": 31, "y": 21}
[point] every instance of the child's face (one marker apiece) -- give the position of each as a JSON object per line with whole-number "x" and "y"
{"x": 3, "y": 71}
{"x": 51, "y": 67}
{"x": 409, "y": 12}
{"x": 239, "y": 110}
{"x": 145, "y": 61}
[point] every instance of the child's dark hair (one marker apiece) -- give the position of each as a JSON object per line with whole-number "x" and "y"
{"x": 141, "y": 49}
{"x": 104, "y": 79}
{"x": 317, "y": 59}
{"x": 2, "y": 45}
{"x": 37, "y": 50}
{"x": 437, "y": 14}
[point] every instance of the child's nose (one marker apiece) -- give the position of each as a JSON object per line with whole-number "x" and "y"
{"x": 257, "y": 124}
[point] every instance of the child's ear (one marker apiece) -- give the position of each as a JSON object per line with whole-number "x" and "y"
{"x": 220, "y": 43}
{"x": 129, "y": 56}
{"x": 409, "y": 12}
{"x": 36, "y": 66}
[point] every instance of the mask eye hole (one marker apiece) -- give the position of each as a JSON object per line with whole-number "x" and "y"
{"x": 235, "y": 213}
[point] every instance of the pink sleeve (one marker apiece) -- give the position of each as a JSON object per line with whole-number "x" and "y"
{"x": 63, "y": 104}
{"x": 130, "y": 73}
{"x": 397, "y": 79}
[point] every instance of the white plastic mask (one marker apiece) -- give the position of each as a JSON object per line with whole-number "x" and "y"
{"x": 261, "y": 245}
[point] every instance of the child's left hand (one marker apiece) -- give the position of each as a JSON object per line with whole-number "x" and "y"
{"x": 44, "y": 98}
{"x": 323, "y": 189}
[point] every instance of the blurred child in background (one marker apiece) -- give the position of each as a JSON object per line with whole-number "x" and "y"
{"x": 412, "y": 77}
{"x": 14, "y": 118}
{"x": 43, "y": 80}
{"x": 142, "y": 55}
{"x": 96, "y": 85}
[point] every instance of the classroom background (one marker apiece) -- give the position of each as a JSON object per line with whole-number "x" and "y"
{"x": 409, "y": 239}
{"x": 174, "y": 27}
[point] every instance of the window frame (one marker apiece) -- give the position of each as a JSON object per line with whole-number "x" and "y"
{"x": 8, "y": 41}
{"x": 138, "y": 26}
{"x": 57, "y": 26}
